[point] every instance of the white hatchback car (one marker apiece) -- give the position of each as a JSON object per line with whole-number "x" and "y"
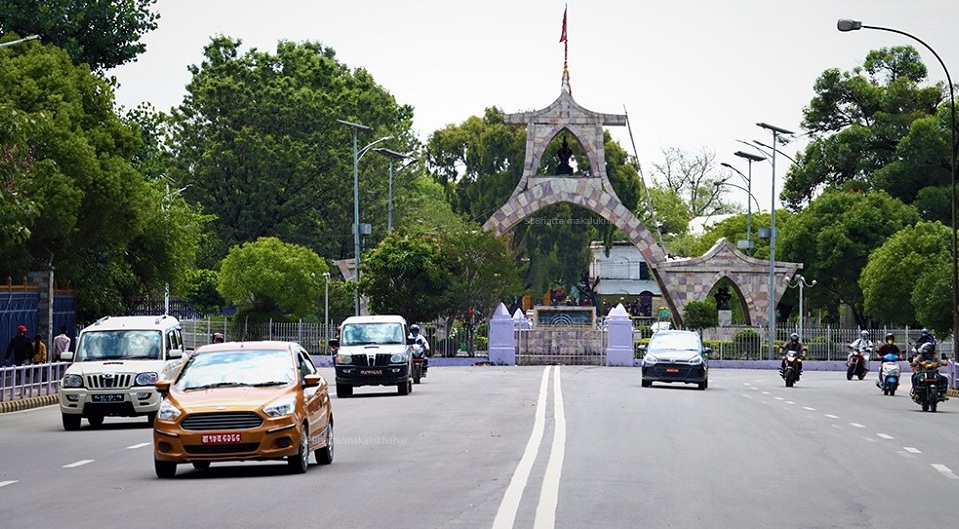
{"x": 116, "y": 366}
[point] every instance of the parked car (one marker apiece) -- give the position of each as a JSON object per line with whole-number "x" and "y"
{"x": 676, "y": 356}
{"x": 240, "y": 401}
{"x": 373, "y": 351}
{"x": 117, "y": 362}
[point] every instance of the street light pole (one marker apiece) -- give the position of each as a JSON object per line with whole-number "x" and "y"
{"x": 800, "y": 282}
{"x": 772, "y": 243}
{"x": 846, "y": 24}
{"x": 393, "y": 155}
{"x": 326, "y": 307}
{"x": 18, "y": 41}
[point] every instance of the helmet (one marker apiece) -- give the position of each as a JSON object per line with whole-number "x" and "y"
{"x": 414, "y": 328}
{"x": 22, "y": 328}
{"x": 890, "y": 337}
{"x": 794, "y": 337}
{"x": 864, "y": 333}
{"x": 924, "y": 332}
{"x": 218, "y": 337}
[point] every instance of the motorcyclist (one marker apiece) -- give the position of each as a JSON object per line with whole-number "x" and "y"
{"x": 862, "y": 345}
{"x": 792, "y": 345}
{"x": 924, "y": 350}
{"x": 888, "y": 352}
{"x": 421, "y": 340}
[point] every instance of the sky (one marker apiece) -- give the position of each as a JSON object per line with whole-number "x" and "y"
{"x": 695, "y": 75}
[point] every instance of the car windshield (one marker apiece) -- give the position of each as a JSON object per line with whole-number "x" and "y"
{"x": 372, "y": 333}
{"x": 97, "y": 346}
{"x": 674, "y": 342}
{"x": 237, "y": 368}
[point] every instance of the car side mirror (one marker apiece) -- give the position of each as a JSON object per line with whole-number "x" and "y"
{"x": 175, "y": 353}
{"x": 163, "y": 387}
{"x": 334, "y": 342}
{"x": 312, "y": 381}
{"x": 66, "y": 356}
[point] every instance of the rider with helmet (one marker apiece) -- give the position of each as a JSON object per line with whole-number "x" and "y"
{"x": 862, "y": 345}
{"x": 792, "y": 345}
{"x": 421, "y": 340}
{"x": 888, "y": 352}
{"x": 925, "y": 350}
{"x": 218, "y": 337}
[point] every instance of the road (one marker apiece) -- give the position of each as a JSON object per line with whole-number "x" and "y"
{"x": 527, "y": 447}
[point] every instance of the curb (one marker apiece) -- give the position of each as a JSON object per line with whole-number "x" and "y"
{"x": 28, "y": 403}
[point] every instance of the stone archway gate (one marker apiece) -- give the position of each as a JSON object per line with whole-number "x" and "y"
{"x": 680, "y": 280}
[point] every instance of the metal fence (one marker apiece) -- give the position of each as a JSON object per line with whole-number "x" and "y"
{"x": 35, "y": 380}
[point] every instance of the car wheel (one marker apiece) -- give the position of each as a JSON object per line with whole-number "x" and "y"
{"x": 704, "y": 384}
{"x": 164, "y": 469}
{"x": 647, "y": 383}
{"x": 95, "y": 420}
{"x": 405, "y": 388}
{"x": 343, "y": 391}
{"x": 324, "y": 456}
{"x": 70, "y": 422}
{"x": 201, "y": 465}
{"x": 151, "y": 417}
{"x": 299, "y": 462}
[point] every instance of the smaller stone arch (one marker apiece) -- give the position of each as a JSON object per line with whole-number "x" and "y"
{"x": 743, "y": 295}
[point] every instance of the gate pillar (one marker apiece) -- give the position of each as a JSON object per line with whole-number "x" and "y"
{"x": 502, "y": 338}
{"x": 619, "y": 340}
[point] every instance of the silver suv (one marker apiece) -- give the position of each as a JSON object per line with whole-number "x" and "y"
{"x": 116, "y": 366}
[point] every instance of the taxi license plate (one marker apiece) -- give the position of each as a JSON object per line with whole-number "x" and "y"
{"x": 107, "y": 397}
{"x": 371, "y": 371}
{"x": 219, "y": 438}
{"x": 672, "y": 370}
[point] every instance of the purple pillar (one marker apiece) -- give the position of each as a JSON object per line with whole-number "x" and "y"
{"x": 619, "y": 337}
{"x": 502, "y": 343}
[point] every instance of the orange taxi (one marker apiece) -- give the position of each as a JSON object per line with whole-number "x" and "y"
{"x": 240, "y": 401}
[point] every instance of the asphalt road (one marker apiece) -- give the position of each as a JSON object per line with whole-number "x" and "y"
{"x": 527, "y": 447}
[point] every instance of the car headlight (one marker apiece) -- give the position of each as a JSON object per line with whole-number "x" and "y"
{"x": 344, "y": 359}
{"x": 72, "y": 381}
{"x": 398, "y": 358}
{"x": 146, "y": 379}
{"x": 167, "y": 411}
{"x": 649, "y": 358}
{"x": 281, "y": 407}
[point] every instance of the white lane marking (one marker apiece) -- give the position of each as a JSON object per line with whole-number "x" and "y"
{"x": 912, "y": 450}
{"x": 765, "y": 393}
{"x": 790, "y": 402}
{"x": 945, "y": 471}
{"x": 78, "y": 463}
{"x": 885, "y": 436}
{"x": 747, "y": 396}
{"x": 870, "y": 439}
{"x": 506, "y": 514}
{"x": 831, "y": 416}
{"x": 857, "y": 425}
{"x": 5, "y": 483}
{"x": 808, "y": 408}
{"x": 549, "y": 494}
{"x": 778, "y": 398}
{"x": 139, "y": 445}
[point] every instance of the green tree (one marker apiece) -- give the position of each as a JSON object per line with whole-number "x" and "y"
{"x": 100, "y": 33}
{"x": 115, "y": 236}
{"x": 269, "y": 278}
{"x": 700, "y": 315}
{"x": 874, "y": 128}
{"x": 834, "y": 237}
{"x": 932, "y": 297}
{"x": 258, "y": 142}
{"x": 889, "y": 280}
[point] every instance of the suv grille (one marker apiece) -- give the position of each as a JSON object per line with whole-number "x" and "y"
{"x": 109, "y": 381}
{"x": 221, "y": 449}
{"x": 380, "y": 359}
{"x": 221, "y": 421}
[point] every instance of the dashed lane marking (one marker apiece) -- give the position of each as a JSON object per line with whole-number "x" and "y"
{"x": 885, "y": 436}
{"x": 945, "y": 471}
{"x": 831, "y": 416}
{"x": 5, "y": 483}
{"x": 912, "y": 450}
{"x": 139, "y": 445}
{"x": 857, "y": 425}
{"x": 78, "y": 463}
{"x": 808, "y": 408}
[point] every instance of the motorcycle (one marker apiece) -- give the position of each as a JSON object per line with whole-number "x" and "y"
{"x": 889, "y": 374}
{"x": 792, "y": 368}
{"x": 419, "y": 360}
{"x": 928, "y": 386}
{"x": 856, "y": 365}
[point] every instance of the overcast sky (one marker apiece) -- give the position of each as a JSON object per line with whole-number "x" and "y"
{"x": 691, "y": 74}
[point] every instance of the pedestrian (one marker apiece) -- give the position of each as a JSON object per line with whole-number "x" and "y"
{"x": 61, "y": 344}
{"x": 39, "y": 350}
{"x": 19, "y": 351}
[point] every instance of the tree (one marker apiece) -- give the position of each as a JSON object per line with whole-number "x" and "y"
{"x": 873, "y": 128}
{"x": 100, "y": 33}
{"x": 257, "y": 140}
{"x": 269, "y": 278}
{"x": 700, "y": 315}
{"x": 890, "y": 280}
{"x": 834, "y": 237}
{"x": 693, "y": 177}
{"x": 115, "y": 236}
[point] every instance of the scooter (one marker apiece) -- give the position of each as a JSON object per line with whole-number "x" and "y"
{"x": 889, "y": 374}
{"x": 419, "y": 361}
{"x": 856, "y": 364}
{"x": 928, "y": 386}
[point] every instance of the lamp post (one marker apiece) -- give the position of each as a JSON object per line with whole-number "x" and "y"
{"x": 326, "y": 306}
{"x": 166, "y": 207}
{"x": 772, "y": 242}
{"x": 357, "y": 154}
{"x": 846, "y": 24}
{"x": 800, "y": 282}
{"x": 18, "y": 41}
{"x": 749, "y": 205}
{"x": 393, "y": 155}
{"x": 737, "y": 186}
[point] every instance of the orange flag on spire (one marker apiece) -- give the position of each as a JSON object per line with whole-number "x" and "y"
{"x": 562, "y": 37}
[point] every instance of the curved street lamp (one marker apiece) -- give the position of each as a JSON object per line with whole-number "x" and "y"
{"x": 749, "y": 209}
{"x": 18, "y": 41}
{"x": 393, "y": 155}
{"x": 800, "y": 281}
{"x": 845, "y": 24}
{"x": 749, "y": 206}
